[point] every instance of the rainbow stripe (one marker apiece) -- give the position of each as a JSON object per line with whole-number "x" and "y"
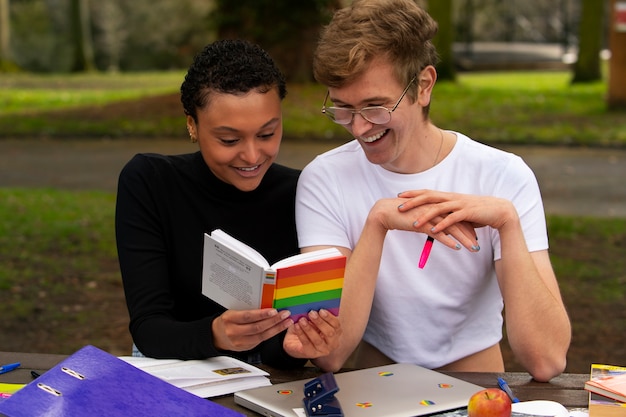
{"x": 310, "y": 286}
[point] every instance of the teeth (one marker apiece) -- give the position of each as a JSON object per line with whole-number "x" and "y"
{"x": 374, "y": 138}
{"x": 249, "y": 169}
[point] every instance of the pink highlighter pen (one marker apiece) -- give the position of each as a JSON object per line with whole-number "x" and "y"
{"x": 426, "y": 251}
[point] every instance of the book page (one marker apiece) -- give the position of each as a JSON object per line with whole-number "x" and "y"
{"x": 240, "y": 247}
{"x": 307, "y": 257}
{"x": 229, "y": 279}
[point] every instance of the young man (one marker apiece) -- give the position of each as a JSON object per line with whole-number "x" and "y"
{"x": 402, "y": 180}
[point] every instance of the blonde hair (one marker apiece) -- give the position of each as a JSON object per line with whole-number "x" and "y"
{"x": 398, "y": 30}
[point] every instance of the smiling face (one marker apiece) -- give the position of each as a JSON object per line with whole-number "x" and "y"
{"x": 239, "y": 135}
{"x": 397, "y": 144}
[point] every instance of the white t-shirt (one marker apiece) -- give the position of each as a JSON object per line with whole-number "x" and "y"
{"x": 453, "y": 307}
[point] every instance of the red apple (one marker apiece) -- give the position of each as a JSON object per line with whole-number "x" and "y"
{"x": 490, "y": 402}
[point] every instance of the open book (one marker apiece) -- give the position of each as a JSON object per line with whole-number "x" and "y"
{"x": 237, "y": 277}
{"x": 205, "y": 378}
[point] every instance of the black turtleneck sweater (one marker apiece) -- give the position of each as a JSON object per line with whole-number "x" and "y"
{"x": 165, "y": 204}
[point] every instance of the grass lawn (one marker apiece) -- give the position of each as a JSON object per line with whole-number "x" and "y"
{"x": 495, "y": 108}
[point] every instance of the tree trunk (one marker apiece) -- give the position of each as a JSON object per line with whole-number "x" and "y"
{"x": 290, "y": 40}
{"x": 6, "y": 58}
{"x": 441, "y": 11}
{"x": 616, "y": 97}
{"x": 587, "y": 67}
{"x": 81, "y": 36}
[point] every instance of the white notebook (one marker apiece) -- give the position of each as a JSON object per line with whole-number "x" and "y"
{"x": 397, "y": 390}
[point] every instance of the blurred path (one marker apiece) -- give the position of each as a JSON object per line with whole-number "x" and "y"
{"x": 574, "y": 181}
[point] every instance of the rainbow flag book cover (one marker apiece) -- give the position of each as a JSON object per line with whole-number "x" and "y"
{"x": 310, "y": 286}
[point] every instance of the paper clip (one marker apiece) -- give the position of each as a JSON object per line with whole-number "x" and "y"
{"x": 319, "y": 397}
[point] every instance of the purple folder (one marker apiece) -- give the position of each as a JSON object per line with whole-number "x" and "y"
{"x": 92, "y": 382}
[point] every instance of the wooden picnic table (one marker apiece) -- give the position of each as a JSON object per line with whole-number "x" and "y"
{"x": 567, "y": 389}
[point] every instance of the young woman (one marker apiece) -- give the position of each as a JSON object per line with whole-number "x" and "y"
{"x": 232, "y": 97}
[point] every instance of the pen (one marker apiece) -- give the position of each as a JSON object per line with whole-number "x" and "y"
{"x": 9, "y": 367}
{"x": 505, "y": 387}
{"x": 426, "y": 251}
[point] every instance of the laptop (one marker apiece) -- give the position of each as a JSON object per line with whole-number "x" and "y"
{"x": 397, "y": 390}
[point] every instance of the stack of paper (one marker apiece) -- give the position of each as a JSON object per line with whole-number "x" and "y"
{"x": 205, "y": 378}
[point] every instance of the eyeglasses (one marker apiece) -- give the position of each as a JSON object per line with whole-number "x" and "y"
{"x": 377, "y": 115}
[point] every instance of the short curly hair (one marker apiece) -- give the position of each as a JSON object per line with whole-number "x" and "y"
{"x": 232, "y": 67}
